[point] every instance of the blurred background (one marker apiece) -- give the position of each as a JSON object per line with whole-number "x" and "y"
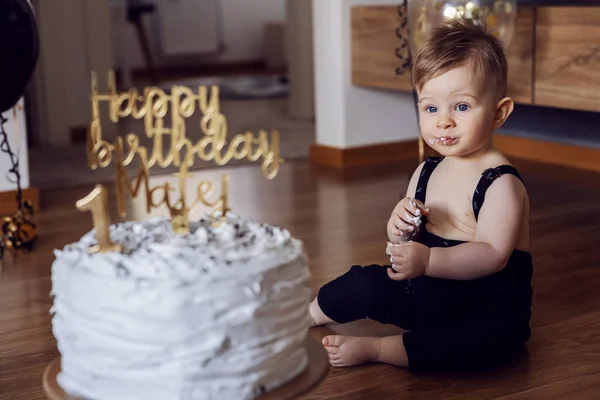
{"x": 242, "y": 46}
{"x": 323, "y": 73}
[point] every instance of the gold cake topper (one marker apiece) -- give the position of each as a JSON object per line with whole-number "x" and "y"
{"x": 153, "y": 105}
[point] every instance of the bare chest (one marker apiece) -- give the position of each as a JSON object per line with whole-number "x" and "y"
{"x": 451, "y": 206}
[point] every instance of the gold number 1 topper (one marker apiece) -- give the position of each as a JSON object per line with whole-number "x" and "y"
{"x": 153, "y": 105}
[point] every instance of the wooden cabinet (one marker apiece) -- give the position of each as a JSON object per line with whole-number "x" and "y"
{"x": 374, "y": 44}
{"x": 563, "y": 41}
{"x": 567, "y": 72}
{"x": 519, "y": 54}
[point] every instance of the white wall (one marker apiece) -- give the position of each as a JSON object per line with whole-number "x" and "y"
{"x": 300, "y": 59}
{"x": 349, "y": 116}
{"x": 74, "y": 40}
{"x": 243, "y": 22}
{"x": 242, "y": 34}
{"x": 59, "y": 69}
{"x": 18, "y": 144}
{"x": 188, "y": 26}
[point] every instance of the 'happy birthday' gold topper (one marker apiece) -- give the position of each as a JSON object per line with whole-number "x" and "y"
{"x": 153, "y": 105}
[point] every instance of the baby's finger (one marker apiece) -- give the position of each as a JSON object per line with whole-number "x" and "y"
{"x": 397, "y": 276}
{"x": 407, "y": 216}
{"x": 396, "y": 250}
{"x": 397, "y": 232}
{"x": 403, "y": 225}
{"x": 418, "y": 207}
{"x": 408, "y": 211}
{"x": 395, "y": 260}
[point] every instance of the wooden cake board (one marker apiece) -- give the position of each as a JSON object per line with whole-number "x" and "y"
{"x": 313, "y": 374}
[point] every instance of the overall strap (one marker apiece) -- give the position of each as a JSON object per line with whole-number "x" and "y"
{"x": 487, "y": 178}
{"x": 428, "y": 167}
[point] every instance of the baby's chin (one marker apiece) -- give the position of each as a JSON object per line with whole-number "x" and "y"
{"x": 457, "y": 151}
{"x": 454, "y": 150}
{"x": 448, "y": 152}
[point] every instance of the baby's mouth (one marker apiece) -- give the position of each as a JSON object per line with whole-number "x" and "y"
{"x": 443, "y": 140}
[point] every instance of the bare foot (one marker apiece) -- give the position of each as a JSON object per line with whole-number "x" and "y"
{"x": 345, "y": 351}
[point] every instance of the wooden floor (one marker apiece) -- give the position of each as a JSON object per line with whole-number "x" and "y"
{"x": 342, "y": 219}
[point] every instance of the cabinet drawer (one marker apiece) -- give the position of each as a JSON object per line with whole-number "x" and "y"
{"x": 567, "y": 71}
{"x": 519, "y": 54}
{"x": 374, "y": 43}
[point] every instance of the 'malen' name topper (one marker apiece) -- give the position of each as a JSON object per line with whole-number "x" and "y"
{"x": 153, "y": 106}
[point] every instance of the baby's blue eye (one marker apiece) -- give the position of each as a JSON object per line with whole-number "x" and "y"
{"x": 462, "y": 107}
{"x": 431, "y": 109}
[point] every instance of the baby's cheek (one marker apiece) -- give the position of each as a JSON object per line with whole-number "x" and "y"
{"x": 475, "y": 123}
{"x": 428, "y": 128}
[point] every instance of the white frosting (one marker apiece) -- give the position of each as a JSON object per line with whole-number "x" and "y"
{"x": 220, "y": 313}
{"x": 443, "y": 140}
{"x": 416, "y": 220}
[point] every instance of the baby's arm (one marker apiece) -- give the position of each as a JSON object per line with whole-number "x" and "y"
{"x": 497, "y": 231}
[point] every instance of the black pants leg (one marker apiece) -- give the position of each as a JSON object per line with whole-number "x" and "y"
{"x": 474, "y": 341}
{"x": 444, "y": 333}
{"x": 366, "y": 292}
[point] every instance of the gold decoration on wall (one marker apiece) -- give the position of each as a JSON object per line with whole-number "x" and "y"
{"x": 152, "y": 106}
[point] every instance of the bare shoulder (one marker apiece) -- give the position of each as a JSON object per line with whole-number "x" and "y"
{"x": 506, "y": 191}
{"x": 508, "y": 187}
{"x": 504, "y": 218}
{"x": 506, "y": 182}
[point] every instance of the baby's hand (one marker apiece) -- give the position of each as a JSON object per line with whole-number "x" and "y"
{"x": 409, "y": 260}
{"x": 406, "y": 218}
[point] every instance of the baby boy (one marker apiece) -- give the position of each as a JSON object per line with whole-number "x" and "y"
{"x": 459, "y": 281}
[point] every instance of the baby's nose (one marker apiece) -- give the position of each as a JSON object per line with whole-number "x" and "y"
{"x": 445, "y": 122}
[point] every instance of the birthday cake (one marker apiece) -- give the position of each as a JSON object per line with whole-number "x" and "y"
{"x": 218, "y": 313}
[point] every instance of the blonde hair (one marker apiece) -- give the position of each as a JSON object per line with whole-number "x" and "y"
{"x": 462, "y": 42}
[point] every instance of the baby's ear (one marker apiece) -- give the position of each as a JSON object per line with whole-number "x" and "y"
{"x": 503, "y": 109}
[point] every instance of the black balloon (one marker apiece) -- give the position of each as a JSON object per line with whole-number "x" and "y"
{"x": 19, "y": 50}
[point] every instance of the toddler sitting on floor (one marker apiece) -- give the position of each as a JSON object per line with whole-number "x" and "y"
{"x": 460, "y": 273}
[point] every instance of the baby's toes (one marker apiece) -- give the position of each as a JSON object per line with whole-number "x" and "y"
{"x": 334, "y": 340}
{"x": 332, "y": 350}
{"x": 337, "y": 363}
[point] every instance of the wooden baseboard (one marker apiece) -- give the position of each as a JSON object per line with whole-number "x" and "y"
{"x": 512, "y": 146}
{"x": 549, "y": 152}
{"x": 364, "y": 156}
{"x": 8, "y": 201}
